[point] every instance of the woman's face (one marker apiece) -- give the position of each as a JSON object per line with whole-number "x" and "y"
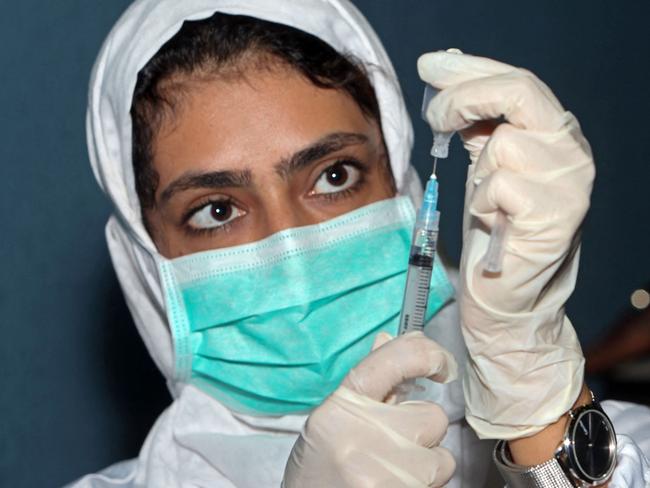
{"x": 244, "y": 158}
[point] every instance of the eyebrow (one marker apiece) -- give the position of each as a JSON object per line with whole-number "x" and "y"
{"x": 213, "y": 179}
{"x": 317, "y": 150}
{"x": 241, "y": 178}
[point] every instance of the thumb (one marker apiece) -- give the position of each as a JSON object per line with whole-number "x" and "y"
{"x": 412, "y": 355}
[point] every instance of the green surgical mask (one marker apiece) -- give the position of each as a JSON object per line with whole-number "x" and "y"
{"x": 273, "y": 327}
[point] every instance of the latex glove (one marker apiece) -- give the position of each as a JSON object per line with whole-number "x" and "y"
{"x": 354, "y": 439}
{"x": 526, "y": 365}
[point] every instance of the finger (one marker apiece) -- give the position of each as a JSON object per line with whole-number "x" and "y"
{"x": 442, "y": 468}
{"x": 545, "y": 156}
{"x": 505, "y": 149}
{"x": 539, "y": 215}
{"x": 444, "y": 69}
{"x": 503, "y": 190}
{"x": 412, "y": 355}
{"x": 518, "y": 96}
{"x": 476, "y": 136}
{"x": 423, "y": 423}
{"x": 546, "y": 218}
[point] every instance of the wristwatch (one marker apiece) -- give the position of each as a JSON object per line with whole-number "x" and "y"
{"x": 585, "y": 457}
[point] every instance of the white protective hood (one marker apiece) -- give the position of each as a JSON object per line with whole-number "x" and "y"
{"x": 136, "y": 37}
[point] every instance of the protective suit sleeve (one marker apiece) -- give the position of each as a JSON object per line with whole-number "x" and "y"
{"x": 632, "y": 425}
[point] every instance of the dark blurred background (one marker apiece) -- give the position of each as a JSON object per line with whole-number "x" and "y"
{"x": 78, "y": 390}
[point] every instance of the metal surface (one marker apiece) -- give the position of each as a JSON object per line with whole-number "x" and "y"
{"x": 563, "y": 470}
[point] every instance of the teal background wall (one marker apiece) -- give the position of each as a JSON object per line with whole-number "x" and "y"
{"x": 78, "y": 391}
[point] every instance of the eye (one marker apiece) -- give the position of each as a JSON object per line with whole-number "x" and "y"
{"x": 215, "y": 214}
{"x": 336, "y": 178}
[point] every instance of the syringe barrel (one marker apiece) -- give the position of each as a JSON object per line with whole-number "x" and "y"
{"x": 418, "y": 279}
{"x": 424, "y": 243}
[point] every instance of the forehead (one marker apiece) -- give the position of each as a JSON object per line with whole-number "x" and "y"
{"x": 250, "y": 121}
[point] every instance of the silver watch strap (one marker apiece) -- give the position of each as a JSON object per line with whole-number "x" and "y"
{"x": 545, "y": 475}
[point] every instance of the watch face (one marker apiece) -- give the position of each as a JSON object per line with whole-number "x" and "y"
{"x": 594, "y": 445}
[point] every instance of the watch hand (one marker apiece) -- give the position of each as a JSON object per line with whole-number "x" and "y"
{"x": 600, "y": 430}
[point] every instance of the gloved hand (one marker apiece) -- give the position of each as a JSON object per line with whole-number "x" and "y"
{"x": 526, "y": 365}
{"x": 354, "y": 439}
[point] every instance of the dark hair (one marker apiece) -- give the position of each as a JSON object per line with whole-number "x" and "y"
{"x": 225, "y": 45}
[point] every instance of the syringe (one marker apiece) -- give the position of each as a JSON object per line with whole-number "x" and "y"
{"x": 418, "y": 276}
{"x": 421, "y": 258}
{"x": 425, "y": 238}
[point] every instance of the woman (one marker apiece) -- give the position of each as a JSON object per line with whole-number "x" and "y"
{"x": 264, "y": 202}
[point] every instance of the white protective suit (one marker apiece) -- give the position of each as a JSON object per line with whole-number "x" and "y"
{"x": 197, "y": 442}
